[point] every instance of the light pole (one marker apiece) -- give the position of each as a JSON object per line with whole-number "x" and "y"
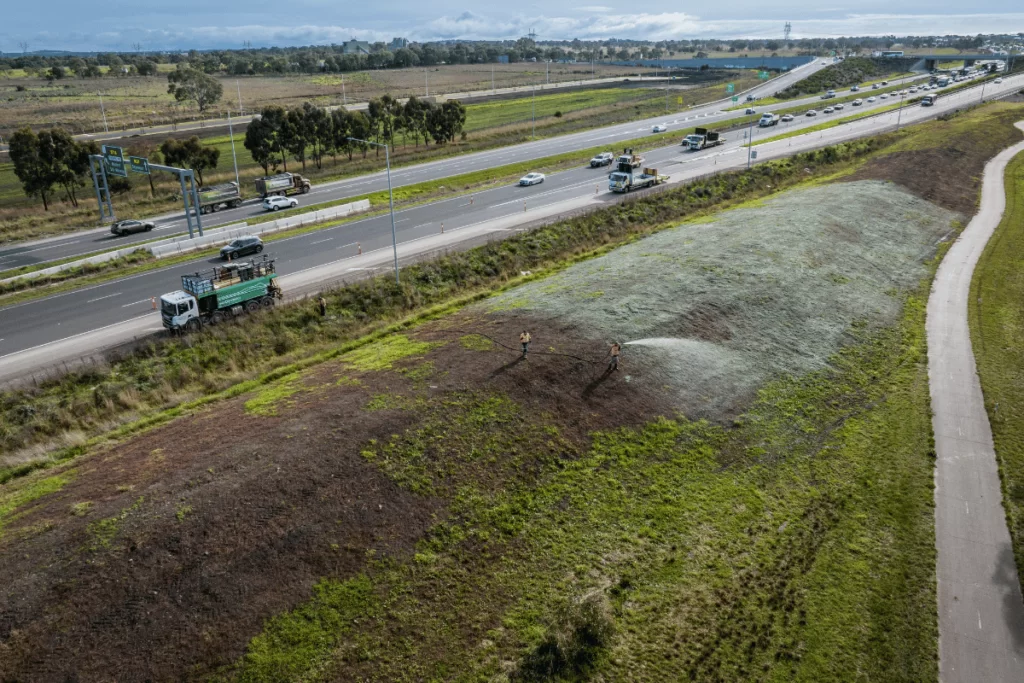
{"x": 238, "y": 89}
{"x": 104, "y": 113}
{"x": 234, "y": 157}
{"x": 533, "y": 109}
{"x": 982, "y": 100}
{"x": 391, "y": 199}
{"x": 750, "y": 142}
{"x": 899, "y": 113}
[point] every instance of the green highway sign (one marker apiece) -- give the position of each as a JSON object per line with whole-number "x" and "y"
{"x": 763, "y": 75}
{"x": 139, "y": 164}
{"x": 730, "y": 87}
{"x": 735, "y": 98}
{"x": 113, "y": 159}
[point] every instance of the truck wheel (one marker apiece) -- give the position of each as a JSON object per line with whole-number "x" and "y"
{"x": 305, "y": 189}
{"x": 193, "y": 325}
{"x": 217, "y": 318}
{"x": 252, "y": 306}
{"x": 235, "y": 204}
{"x": 267, "y": 302}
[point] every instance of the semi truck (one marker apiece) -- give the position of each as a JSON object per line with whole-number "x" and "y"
{"x": 701, "y": 138}
{"x": 217, "y": 196}
{"x": 281, "y": 184}
{"x": 210, "y": 297}
{"x": 768, "y": 120}
{"x": 625, "y": 180}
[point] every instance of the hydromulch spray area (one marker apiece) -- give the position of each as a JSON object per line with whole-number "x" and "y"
{"x": 719, "y": 307}
{"x": 438, "y": 495}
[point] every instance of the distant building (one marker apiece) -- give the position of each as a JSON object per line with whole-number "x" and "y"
{"x": 355, "y": 47}
{"x": 398, "y": 44}
{"x": 889, "y": 53}
{"x": 502, "y": 59}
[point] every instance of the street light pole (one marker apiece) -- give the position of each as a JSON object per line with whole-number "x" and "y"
{"x": 234, "y": 157}
{"x": 104, "y": 113}
{"x": 391, "y": 200}
{"x": 750, "y": 142}
{"x": 533, "y": 109}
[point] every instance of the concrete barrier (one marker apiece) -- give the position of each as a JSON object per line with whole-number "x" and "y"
{"x": 182, "y": 244}
{"x": 225, "y": 235}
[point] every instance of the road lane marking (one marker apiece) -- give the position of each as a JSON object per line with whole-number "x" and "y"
{"x": 319, "y": 241}
{"x": 143, "y": 301}
{"x": 92, "y": 301}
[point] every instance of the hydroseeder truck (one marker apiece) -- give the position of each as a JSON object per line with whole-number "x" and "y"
{"x": 213, "y": 296}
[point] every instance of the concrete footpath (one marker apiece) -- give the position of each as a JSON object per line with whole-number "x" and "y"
{"x": 981, "y": 613}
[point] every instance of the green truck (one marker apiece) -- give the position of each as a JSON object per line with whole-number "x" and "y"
{"x": 216, "y": 295}
{"x": 215, "y": 197}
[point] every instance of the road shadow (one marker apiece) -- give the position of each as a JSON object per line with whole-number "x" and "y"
{"x": 1013, "y": 607}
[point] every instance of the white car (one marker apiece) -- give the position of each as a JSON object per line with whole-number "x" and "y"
{"x": 913, "y": 90}
{"x": 787, "y": 118}
{"x": 811, "y": 112}
{"x": 883, "y": 96}
{"x": 827, "y": 110}
{"x": 855, "y": 88}
{"x": 857, "y": 102}
{"x": 275, "y": 203}
{"x": 659, "y": 128}
{"x": 839, "y": 107}
{"x": 531, "y": 179}
{"x": 871, "y": 99}
{"x": 998, "y": 80}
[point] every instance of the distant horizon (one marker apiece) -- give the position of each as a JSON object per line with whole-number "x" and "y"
{"x": 224, "y": 29}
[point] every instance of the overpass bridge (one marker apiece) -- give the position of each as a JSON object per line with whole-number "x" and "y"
{"x": 930, "y": 62}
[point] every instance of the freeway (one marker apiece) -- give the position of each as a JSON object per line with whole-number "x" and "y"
{"x": 85, "y": 242}
{"x": 30, "y": 329}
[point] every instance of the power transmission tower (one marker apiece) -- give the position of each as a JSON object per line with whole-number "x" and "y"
{"x": 786, "y": 31}
{"x": 24, "y": 47}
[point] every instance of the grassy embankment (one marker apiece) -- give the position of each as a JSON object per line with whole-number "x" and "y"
{"x": 72, "y": 409}
{"x": 795, "y": 545}
{"x": 849, "y": 72}
{"x": 500, "y": 124}
{"x": 997, "y": 335}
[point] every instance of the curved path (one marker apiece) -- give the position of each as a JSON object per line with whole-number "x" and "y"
{"x": 981, "y": 613}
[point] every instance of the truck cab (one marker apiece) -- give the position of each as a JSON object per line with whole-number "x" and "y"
{"x": 179, "y": 311}
{"x": 693, "y": 141}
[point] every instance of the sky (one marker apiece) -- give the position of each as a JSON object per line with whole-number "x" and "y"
{"x": 120, "y": 24}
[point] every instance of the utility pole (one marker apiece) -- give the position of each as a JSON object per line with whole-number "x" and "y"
{"x": 750, "y": 142}
{"x": 344, "y": 101}
{"x": 533, "y": 109}
{"x": 492, "y": 79}
{"x": 426, "y": 82}
{"x": 391, "y": 200}
{"x": 238, "y": 89}
{"x": 234, "y": 157}
{"x": 104, "y": 113}
{"x": 899, "y": 113}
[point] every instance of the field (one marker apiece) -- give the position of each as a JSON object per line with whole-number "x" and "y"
{"x": 997, "y": 331}
{"x": 136, "y": 101}
{"x": 748, "y": 498}
{"x": 489, "y": 125}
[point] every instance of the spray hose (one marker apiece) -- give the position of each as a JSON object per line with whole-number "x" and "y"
{"x": 538, "y": 353}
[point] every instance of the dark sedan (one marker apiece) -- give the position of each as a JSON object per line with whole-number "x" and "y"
{"x": 127, "y": 227}
{"x": 249, "y": 244}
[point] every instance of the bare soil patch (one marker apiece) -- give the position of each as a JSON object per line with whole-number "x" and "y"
{"x": 225, "y": 518}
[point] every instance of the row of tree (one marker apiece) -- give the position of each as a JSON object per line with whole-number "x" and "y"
{"x": 48, "y": 160}
{"x": 310, "y": 133}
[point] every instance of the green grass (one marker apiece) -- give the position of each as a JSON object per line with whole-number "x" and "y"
{"x": 503, "y": 112}
{"x": 35, "y": 489}
{"x": 997, "y": 335}
{"x": 270, "y": 397}
{"x": 796, "y": 543}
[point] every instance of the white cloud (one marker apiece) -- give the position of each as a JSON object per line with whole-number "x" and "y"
{"x": 593, "y": 22}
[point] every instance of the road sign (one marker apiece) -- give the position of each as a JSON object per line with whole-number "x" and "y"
{"x": 139, "y": 164}
{"x": 113, "y": 159}
{"x": 763, "y": 75}
{"x": 730, "y": 87}
{"x": 735, "y": 98}
{"x": 679, "y": 100}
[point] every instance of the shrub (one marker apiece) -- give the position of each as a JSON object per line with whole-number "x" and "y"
{"x": 572, "y": 644}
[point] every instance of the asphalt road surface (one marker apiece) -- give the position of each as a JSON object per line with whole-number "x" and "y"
{"x": 89, "y": 241}
{"x": 33, "y": 324}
